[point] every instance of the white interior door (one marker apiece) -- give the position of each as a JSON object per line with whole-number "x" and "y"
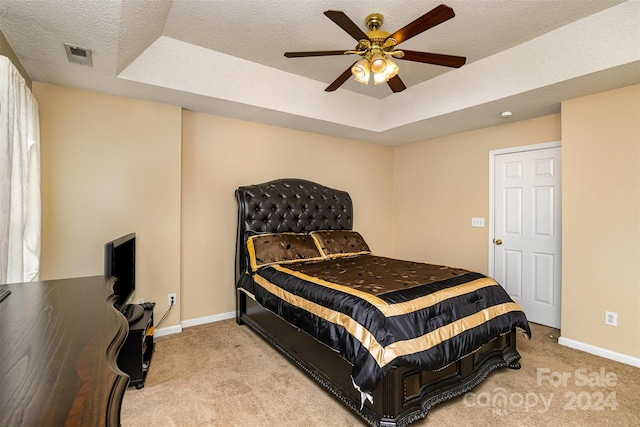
{"x": 527, "y": 231}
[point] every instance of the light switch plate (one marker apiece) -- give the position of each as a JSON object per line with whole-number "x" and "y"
{"x": 477, "y": 222}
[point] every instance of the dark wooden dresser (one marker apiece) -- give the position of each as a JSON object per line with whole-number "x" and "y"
{"x": 59, "y": 341}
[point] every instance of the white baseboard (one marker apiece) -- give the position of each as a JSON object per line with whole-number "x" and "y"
{"x": 208, "y": 319}
{"x": 167, "y": 331}
{"x": 194, "y": 322}
{"x": 598, "y": 351}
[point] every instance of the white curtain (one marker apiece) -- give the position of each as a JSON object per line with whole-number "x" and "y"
{"x": 19, "y": 178}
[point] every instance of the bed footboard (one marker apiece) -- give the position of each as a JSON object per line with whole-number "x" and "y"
{"x": 405, "y": 395}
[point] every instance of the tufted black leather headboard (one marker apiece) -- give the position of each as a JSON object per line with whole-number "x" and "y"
{"x": 288, "y": 205}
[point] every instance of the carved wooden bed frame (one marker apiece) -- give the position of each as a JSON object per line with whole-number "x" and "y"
{"x": 404, "y": 395}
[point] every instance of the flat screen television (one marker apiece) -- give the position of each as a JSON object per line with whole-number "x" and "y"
{"x": 120, "y": 262}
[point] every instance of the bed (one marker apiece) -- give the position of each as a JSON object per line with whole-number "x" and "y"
{"x": 388, "y": 338}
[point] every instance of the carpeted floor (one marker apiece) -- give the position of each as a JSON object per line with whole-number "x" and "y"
{"x": 222, "y": 374}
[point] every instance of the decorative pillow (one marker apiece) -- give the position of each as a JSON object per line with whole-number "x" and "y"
{"x": 277, "y": 248}
{"x": 340, "y": 243}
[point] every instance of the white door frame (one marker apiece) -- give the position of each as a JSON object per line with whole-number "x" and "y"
{"x": 492, "y": 155}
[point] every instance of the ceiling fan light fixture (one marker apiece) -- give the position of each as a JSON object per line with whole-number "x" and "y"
{"x": 389, "y": 72}
{"x": 377, "y": 48}
{"x": 378, "y": 63}
{"x": 379, "y": 78}
{"x": 360, "y": 71}
{"x": 392, "y": 69}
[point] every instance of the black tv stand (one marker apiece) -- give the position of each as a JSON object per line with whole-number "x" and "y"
{"x": 133, "y": 312}
{"x": 135, "y": 354}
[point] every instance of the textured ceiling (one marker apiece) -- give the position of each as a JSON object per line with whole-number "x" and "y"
{"x": 226, "y": 58}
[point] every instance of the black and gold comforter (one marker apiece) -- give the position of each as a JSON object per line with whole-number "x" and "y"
{"x": 379, "y": 312}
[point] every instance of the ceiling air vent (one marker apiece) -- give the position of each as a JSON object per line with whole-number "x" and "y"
{"x": 78, "y": 55}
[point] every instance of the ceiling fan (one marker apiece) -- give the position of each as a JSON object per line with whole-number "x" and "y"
{"x": 377, "y": 47}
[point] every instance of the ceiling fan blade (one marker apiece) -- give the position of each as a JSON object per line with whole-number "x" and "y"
{"x": 346, "y": 24}
{"x": 430, "y": 19}
{"x": 340, "y": 80}
{"x": 434, "y": 58}
{"x": 314, "y": 53}
{"x": 396, "y": 84}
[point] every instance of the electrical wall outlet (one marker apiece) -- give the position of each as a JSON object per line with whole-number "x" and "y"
{"x": 477, "y": 222}
{"x": 140, "y": 300}
{"x": 611, "y": 318}
{"x": 172, "y": 299}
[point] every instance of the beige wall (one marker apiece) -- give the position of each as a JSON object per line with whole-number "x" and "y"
{"x": 601, "y": 219}
{"x": 102, "y": 152}
{"x": 219, "y": 155}
{"x": 179, "y": 170}
{"x": 110, "y": 166}
{"x": 439, "y": 185}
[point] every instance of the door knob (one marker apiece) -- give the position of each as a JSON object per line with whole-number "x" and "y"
{"x": 497, "y": 242}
